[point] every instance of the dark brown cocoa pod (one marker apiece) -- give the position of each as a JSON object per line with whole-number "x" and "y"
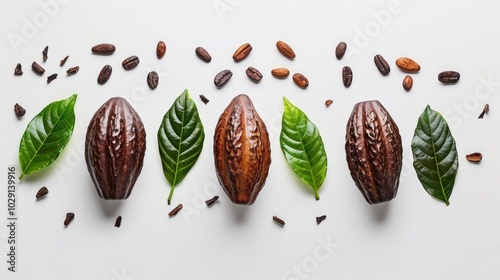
{"x": 242, "y": 151}
{"x": 115, "y": 145}
{"x": 374, "y": 152}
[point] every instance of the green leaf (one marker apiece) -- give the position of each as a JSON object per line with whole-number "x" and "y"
{"x": 303, "y": 147}
{"x": 180, "y": 139}
{"x": 46, "y": 135}
{"x": 435, "y": 156}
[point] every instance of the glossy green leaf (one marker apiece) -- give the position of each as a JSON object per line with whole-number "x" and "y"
{"x": 46, "y": 135}
{"x": 180, "y": 140}
{"x": 435, "y": 156}
{"x": 303, "y": 147}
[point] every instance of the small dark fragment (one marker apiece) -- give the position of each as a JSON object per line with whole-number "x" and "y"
{"x": 69, "y": 217}
{"x": 19, "y": 70}
{"x": 320, "y": 219}
{"x": 51, "y": 78}
{"x": 118, "y": 221}
{"x": 73, "y": 70}
{"x": 278, "y": 220}
{"x": 486, "y": 109}
{"x": 37, "y": 68}
{"x": 175, "y": 210}
{"x": 204, "y": 99}
{"x": 340, "y": 50}
{"x": 63, "y": 61}
{"x": 19, "y": 110}
{"x": 474, "y": 157}
{"x": 212, "y": 200}
{"x": 328, "y": 102}
{"x": 45, "y": 53}
{"x": 43, "y": 191}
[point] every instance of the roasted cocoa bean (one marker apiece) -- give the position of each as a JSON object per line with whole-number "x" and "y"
{"x": 153, "y": 79}
{"x": 203, "y": 54}
{"x": 374, "y": 152}
{"x": 407, "y": 82}
{"x": 285, "y": 49}
{"x": 300, "y": 80}
{"x": 115, "y": 145}
{"x": 130, "y": 62}
{"x": 242, "y": 151}
{"x": 222, "y": 78}
{"x": 254, "y": 74}
{"x": 104, "y": 49}
{"x": 382, "y": 65}
{"x": 340, "y": 50}
{"x": 280, "y": 73}
{"x": 449, "y": 77}
{"x": 104, "y": 74}
{"x": 161, "y": 49}
{"x": 37, "y": 68}
{"x": 347, "y": 76}
{"x": 242, "y": 52}
{"x": 407, "y": 64}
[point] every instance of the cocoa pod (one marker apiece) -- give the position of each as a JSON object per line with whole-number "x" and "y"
{"x": 115, "y": 145}
{"x": 373, "y": 151}
{"x": 242, "y": 151}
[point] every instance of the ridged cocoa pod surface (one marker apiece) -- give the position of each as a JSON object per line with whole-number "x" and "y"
{"x": 374, "y": 152}
{"x": 242, "y": 151}
{"x": 115, "y": 145}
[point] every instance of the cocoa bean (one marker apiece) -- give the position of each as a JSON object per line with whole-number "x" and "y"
{"x": 285, "y": 49}
{"x": 242, "y": 52}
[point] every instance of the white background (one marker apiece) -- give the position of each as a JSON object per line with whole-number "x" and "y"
{"x": 412, "y": 237}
